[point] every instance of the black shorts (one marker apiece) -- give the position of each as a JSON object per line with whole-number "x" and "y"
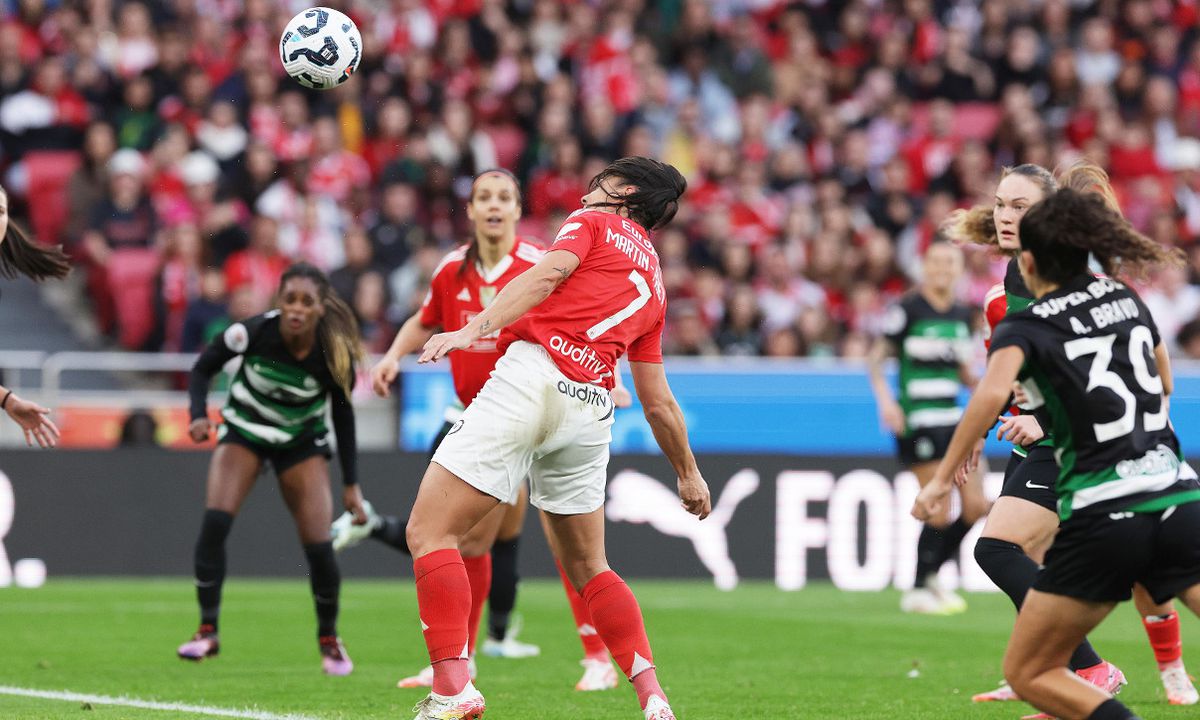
{"x": 1032, "y": 478}
{"x": 924, "y": 445}
{"x": 281, "y": 458}
{"x": 1098, "y": 557}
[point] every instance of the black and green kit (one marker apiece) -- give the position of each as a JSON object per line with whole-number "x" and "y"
{"x": 1126, "y": 498}
{"x": 1090, "y": 365}
{"x": 932, "y": 346}
{"x": 277, "y": 403}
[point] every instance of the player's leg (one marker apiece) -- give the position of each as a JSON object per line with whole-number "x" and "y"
{"x": 973, "y": 507}
{"x": 1161, "y": 622}
{"x": 501, "y": 639}
{"x": 923, "y": 598}
{"x": 1048, "y": 629}
{"x": 1019, "y": 528}
{"x": 231, "y": 474}
{"x": 387, "y": 529}
{"x": 612, "y": 605}
{"x": 477, "y": 561}
{"x": 445, "y": 511}
{"x": 304, "y": 485}
{"x": 598, "y": 672}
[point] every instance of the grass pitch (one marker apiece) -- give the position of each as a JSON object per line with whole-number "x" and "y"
{"x": 752, "y": 653}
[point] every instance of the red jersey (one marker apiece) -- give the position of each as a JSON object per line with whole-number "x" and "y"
{"x": 614, "y": 301}
{"x": 455, "y": 298}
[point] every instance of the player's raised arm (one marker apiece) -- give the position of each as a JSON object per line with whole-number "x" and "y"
{"x": 525, "y": 292}
{"x": 670, "y": 431}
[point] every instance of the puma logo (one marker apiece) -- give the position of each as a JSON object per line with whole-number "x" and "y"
{"x": 637, "y": 498}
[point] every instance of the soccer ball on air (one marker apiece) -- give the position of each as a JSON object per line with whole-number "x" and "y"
{"x": 320, "y": 48}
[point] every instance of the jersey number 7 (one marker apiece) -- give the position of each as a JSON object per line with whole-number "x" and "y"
{"x": 626, "y": 312}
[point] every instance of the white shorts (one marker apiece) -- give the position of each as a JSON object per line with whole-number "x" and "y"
{"x": 529, "y": 420}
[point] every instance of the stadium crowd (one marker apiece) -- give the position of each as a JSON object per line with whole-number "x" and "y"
{"x": 824, "y": 143}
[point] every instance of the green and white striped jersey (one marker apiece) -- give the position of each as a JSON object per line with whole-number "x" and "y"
{"x": 1090, "y": 365}
{"x": 275, "y": 399}
{"x": 932, "y": 347}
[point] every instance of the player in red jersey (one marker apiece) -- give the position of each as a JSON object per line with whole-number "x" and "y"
{"x": 466, "y": 280}
{"x": 546, "y": 413}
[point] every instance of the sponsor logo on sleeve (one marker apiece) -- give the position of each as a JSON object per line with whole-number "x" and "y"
{"x": 567, "y": 231}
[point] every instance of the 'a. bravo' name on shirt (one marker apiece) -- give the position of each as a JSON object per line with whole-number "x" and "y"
{"x": 613, "y": 303}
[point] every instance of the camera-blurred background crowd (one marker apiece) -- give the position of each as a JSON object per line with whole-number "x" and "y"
{"x": 824, "y": 143}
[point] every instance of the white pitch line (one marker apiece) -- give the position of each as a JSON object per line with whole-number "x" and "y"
{"x": 147, "y": 704}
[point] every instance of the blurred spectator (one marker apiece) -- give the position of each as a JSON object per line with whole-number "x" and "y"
{"x": 1172, "y": 302}
{"x": 207, "y": 313}
{"x": 258, "y": 269}
{"x": 140, "y": 429}
{"x": 824, "y": 143}
{"x": 359, "y": 260}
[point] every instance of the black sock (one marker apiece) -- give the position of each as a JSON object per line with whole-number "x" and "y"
{"x": 1014, "y": 572}
{"x": 929, "y": 554}
{"x": 1112, "y": 710}
{"x": 952, "y": 538}
{"x": 1084, "y": 657}
{"x": 392, "y": 532}
{"x": 503, "y": 596}
{"x": 326, "y": 583}
{"x": 209, "y": 562}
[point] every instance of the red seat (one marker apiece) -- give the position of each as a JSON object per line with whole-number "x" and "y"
{"x": 132, "y": 274}
{"x": 49, "y": 171}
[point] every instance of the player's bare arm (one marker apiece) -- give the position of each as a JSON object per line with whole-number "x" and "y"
{"x": 987, "y": 402}
{"x": 522, "y": 294}
{"x": 670, "y": 431}
{"x": 890, "y": 414}
{"x": 411, "y": 338}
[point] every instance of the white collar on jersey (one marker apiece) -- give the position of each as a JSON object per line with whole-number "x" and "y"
{"x": 499, "y": 269}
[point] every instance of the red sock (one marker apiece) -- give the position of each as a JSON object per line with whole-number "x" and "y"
{"x": 479, "y": 574}
{"x": 593, "y": 646}
{"x": 1163, "y": 631}
{"x": 444, "y": 599}
{"x": 618, "y": 619}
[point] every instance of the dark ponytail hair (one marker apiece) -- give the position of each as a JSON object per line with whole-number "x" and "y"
{"x": 472, "y": 255}
{"x": 659, "y": 187}
{"x": 1061, "y": 230}
{"x": 337, "y": 330}
{"x": 21, "y": 256}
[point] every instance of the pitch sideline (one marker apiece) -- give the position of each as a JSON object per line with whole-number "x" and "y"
{"x": 147, "y": 704}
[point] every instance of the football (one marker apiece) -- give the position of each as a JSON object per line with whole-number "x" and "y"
{"x": 320, "y": 48}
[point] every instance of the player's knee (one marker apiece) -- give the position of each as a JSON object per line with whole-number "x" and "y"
{"x": 1018, "y": 674}
{"x": 423, "y": 538}
{"x": 993, "y": 554}
{"x": 214, "y": 528}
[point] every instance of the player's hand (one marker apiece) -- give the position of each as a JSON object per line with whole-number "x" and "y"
{"x": 200, "y": 429}
{"x": 33, "y": 421}
{"x": 352, "y": 500}
{"x": 693, "y": 493}
{"x": 1020, "y": 429}
{"x": 892, "y": 417}
{"x": 621, "y": 397}
{"x": 383, "y": 375}
{"x": 442, "y": 344}
{"x": 971, "y": 465}
{"x": 931, "y": 500}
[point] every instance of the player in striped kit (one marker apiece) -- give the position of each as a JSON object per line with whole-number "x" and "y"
{"x": 1087, "y": 352}
{"x": 930, "y": 332}
{"x": 1024, "y": 519}
{"x": 297, "y": 363}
